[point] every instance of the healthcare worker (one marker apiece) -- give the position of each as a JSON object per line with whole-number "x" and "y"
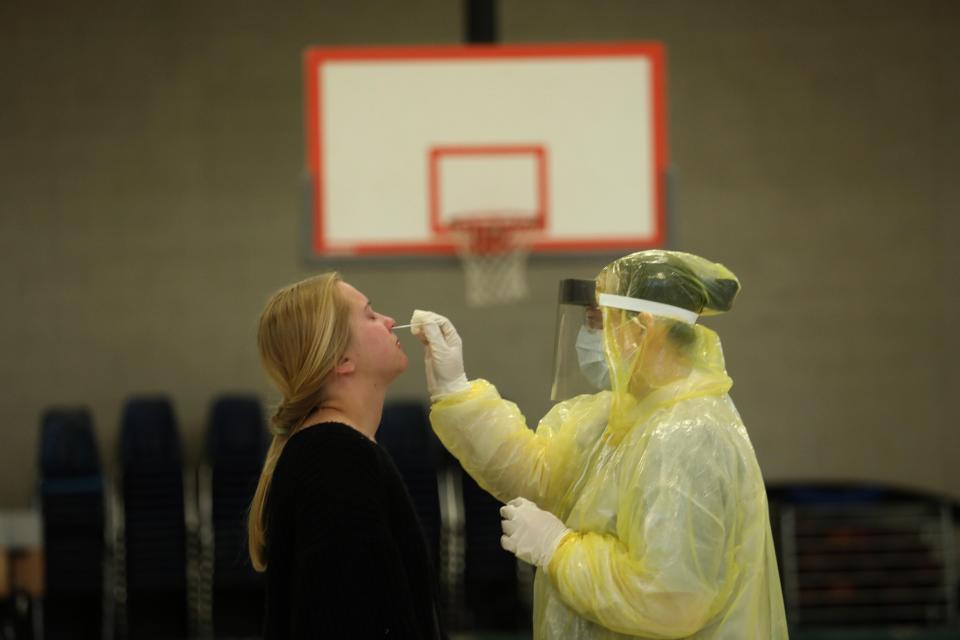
{"x": 642, "y": 506}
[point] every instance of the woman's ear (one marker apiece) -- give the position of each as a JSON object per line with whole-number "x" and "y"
{"x": 345, "y": 366}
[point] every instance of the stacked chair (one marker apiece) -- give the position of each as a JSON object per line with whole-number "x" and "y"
{"x": 406, "y": 435}
{"x": 235, "y": 448}
{"x": 72, "y": 502}
{"x": 479, "y": 580}
{"x": 866, "y": 559}
{"x": 154, "y": 524}
{"x": 491, "y": 579}
{"x": 180, "y": 566}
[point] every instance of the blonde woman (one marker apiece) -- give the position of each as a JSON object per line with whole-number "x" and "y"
{"x": 331, "y": 523}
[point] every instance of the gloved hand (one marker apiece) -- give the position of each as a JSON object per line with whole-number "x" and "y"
{"x": 531, "y": 533}
{"x": 443, "y": 356}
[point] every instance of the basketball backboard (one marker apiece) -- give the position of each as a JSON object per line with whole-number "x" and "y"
{"x": 402, "y": 142}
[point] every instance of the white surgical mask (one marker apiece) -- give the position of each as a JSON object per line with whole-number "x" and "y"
{"x": 593, "y": 364}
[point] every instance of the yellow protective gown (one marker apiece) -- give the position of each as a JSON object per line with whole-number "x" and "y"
{"x": 659, "y": 483}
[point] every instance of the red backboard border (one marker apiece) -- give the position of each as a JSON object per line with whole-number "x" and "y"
{"x": 316, "y": 57}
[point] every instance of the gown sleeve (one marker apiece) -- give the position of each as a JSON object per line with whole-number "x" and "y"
{"x": 491, "y": 439}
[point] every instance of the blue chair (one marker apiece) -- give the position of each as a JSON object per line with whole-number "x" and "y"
{"x": 406, "y": 435}
{"x": 491, "y": 582}
{"x": 72, "y": 505}
{"x": 235, "y": 447}
{"x": 480, "y": 577}
{"x": 155, "y": 536}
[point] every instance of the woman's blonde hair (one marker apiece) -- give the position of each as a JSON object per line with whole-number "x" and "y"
{"x": 304, "y": 332}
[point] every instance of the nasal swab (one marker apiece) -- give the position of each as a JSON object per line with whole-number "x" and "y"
{"x": 404, "y": 326}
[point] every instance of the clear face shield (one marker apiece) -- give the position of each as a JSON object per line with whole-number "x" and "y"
{"x": 579, "y": 363}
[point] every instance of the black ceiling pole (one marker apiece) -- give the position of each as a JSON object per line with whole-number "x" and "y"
{"x": 481, "y": 18}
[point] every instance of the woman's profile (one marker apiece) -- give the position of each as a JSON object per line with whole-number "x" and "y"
{"x": 331, "y": 522}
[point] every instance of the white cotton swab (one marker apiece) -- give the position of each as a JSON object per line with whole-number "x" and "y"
{"x": 404, "y": 326}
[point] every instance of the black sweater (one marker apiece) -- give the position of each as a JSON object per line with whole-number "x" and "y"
{"x": 346, "y": 556}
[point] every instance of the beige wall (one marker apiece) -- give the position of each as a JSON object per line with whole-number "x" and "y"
{"x": 150, "y": 199}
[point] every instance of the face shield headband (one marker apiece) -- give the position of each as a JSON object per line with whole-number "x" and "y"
{"x": 656, "y": 308}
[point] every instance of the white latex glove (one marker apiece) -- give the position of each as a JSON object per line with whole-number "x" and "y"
{"x": 443, "y": 356}
{"x": 531, "y": 533}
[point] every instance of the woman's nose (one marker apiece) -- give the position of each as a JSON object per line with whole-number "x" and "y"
{"x": 390, "y": 322}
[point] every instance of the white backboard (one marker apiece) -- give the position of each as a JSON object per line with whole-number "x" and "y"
{"x": 401, "y": 141}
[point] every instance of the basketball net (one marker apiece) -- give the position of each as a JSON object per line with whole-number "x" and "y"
{"x": 494, "y": 254}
